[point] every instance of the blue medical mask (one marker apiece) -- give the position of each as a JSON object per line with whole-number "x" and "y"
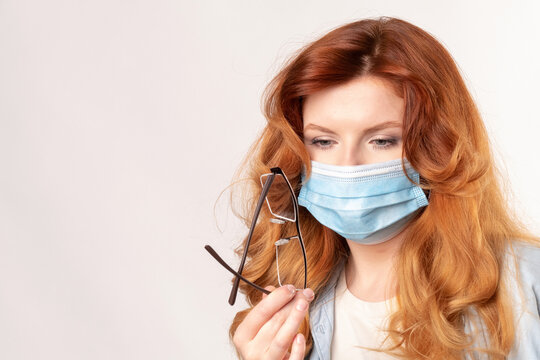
{"x": 368, "y": 204}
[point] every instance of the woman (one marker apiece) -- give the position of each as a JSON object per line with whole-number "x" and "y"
{"x": 411, "y": 248}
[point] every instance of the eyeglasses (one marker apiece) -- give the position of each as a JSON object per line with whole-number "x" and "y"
{"x": 283, "y": 209}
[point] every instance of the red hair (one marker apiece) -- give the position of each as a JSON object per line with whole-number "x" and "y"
{"x": 452, "y": 257}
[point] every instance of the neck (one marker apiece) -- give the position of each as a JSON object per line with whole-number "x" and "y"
{"x": 370, "y": 269}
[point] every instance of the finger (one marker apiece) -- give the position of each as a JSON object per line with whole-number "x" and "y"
{"x": 262, "y": 312}
{"x": 308, "y": 294}
{"x": 298, "y": 350}
{"x": 269, "y": 330}
{"x": 283, "y": 339}
{"x": 269, "y": 288}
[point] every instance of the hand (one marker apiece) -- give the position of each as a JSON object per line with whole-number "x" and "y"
{"x": 272, "y": 325}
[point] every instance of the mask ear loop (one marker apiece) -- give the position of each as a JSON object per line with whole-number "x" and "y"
{"x": 421, "y": 180}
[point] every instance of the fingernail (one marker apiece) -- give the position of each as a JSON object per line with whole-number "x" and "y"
{"x": 309, "y": 294}
{"x": 302, "y": 305}
{"x": 292, "y": 289}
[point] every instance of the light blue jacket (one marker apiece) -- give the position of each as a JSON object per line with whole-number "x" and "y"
{"x": 526, "y": 307}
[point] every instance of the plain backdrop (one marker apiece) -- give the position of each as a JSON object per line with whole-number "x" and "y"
{"x": 122, "y": 121}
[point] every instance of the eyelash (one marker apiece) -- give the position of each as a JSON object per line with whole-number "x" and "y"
{"x": 317, "y": 143}
{"x": 388, "y": 143}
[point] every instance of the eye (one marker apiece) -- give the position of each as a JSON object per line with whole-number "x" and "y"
{"x": 322, "y": 144}
{"x": 382, "y": 143}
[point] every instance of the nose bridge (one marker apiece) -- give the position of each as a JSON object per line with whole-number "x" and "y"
{"x": 352, "y": 155}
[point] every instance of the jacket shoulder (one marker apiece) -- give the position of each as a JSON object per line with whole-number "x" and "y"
{"x": 524, "y": 288}
{"x": 526, "y": 258}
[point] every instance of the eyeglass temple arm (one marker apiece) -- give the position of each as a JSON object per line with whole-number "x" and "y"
{"x": 234, "y": 290}
{"x": 222, "y": 262}
{"x": 302, "y": 246}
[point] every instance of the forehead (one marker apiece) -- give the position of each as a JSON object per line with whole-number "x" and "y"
{"x": 363, "y": 101}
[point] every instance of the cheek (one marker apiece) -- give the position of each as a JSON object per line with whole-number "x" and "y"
{"x": 378, "y": 155}
{"x": 312, "y": 152}
{"x": 331, "y": 156}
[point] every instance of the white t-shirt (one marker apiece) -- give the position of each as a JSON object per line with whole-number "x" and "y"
{"x": 358, "y": 323}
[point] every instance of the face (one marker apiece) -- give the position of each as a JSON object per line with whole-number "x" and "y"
{"x": 359, "y": 122}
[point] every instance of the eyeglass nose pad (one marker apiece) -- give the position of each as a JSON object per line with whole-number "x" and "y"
{"x": 281, "y": 242}
{"x": 277, "y": 221}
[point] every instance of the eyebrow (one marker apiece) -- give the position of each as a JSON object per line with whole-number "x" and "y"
{"x": 381, "y": 126}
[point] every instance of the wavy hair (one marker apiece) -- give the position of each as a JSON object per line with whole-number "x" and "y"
{"x": 452, "y": 257}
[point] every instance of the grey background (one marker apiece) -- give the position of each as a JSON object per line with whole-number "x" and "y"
{"x": 122, "y": 121}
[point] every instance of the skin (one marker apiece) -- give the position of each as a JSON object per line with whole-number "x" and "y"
{"x": 337, "y": 123}
{"x": 356, "y": 123}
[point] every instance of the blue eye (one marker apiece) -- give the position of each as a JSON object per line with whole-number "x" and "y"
{"x": 379, "y": 144}
{"x": 322, "y": 144}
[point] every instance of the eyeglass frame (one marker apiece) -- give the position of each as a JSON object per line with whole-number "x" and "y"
{"x": 262, "y": 198}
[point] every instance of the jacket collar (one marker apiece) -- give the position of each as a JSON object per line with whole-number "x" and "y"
{"x": 321, "y": 315}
